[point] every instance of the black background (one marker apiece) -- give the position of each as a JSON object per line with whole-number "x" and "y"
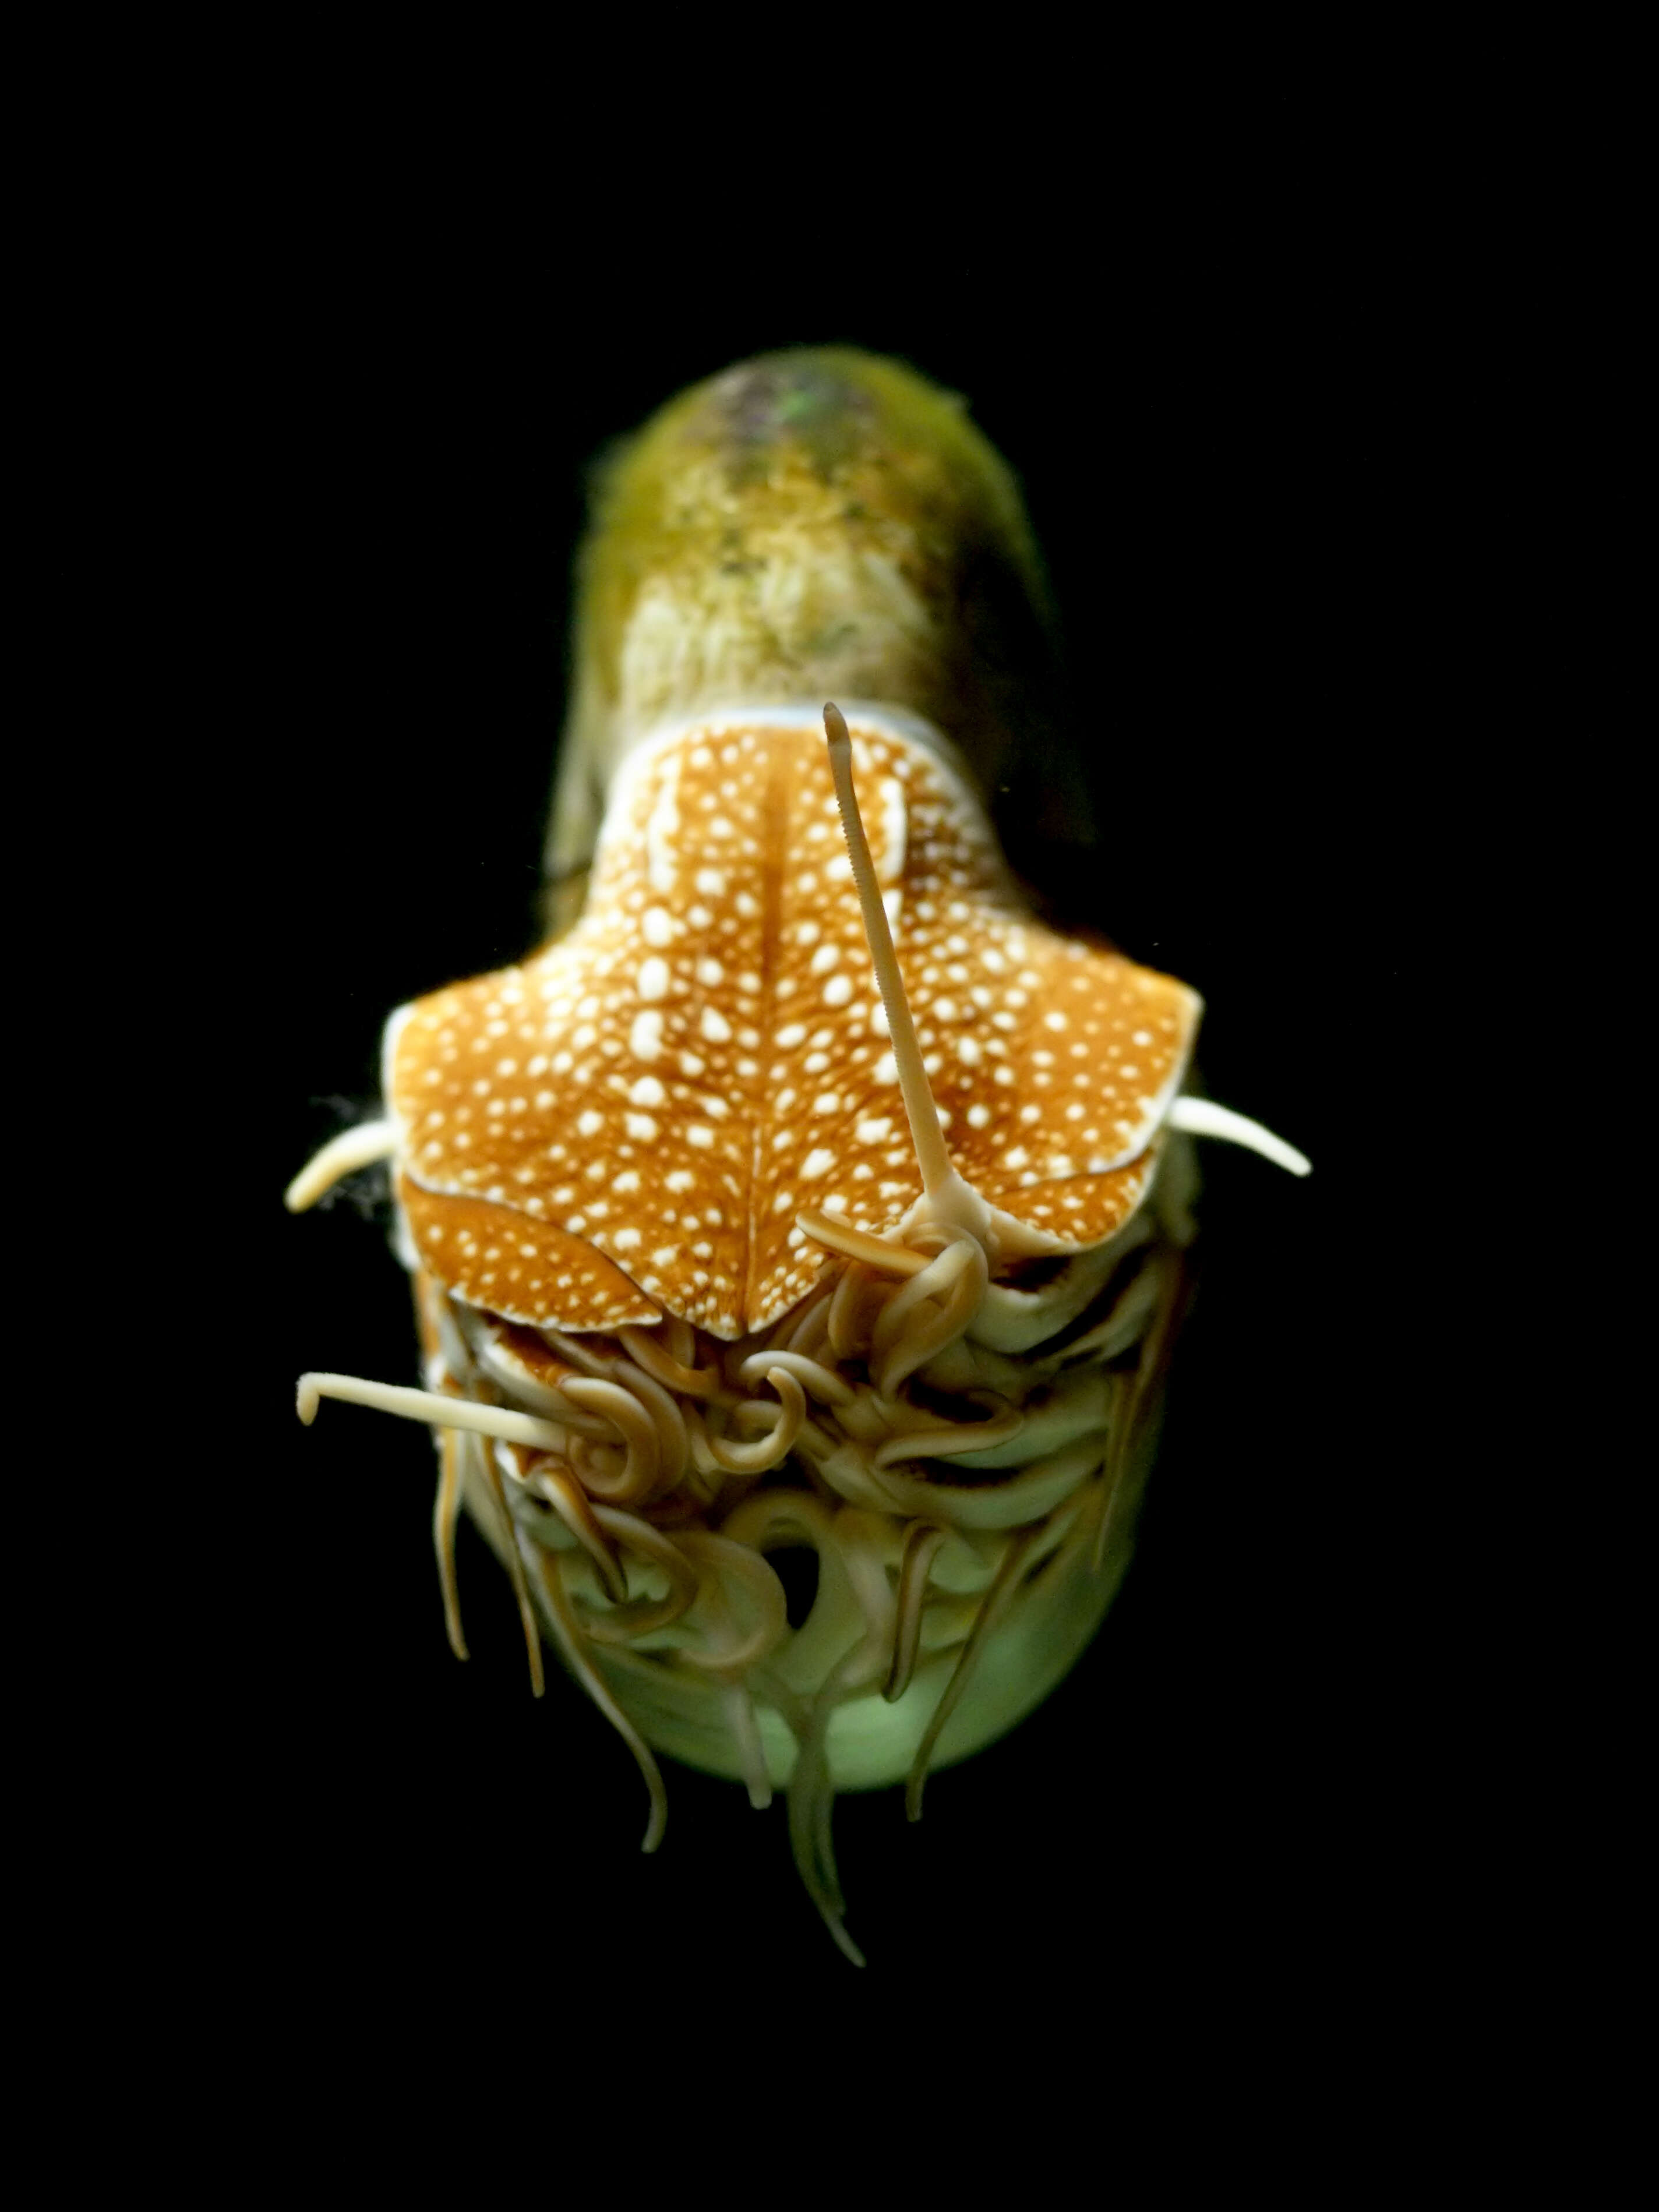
{"x": 1226, "y": 453}
{"x": 1317, "y": 374}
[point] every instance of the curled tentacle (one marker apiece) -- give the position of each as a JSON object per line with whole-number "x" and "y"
{"x": 908, "y": 1334}
{"x": 773, "y": 1449}
{"x": 819, "y": 1382}
{"x": 859, "y": 1296}
{"x": 839, "y": 1619}
{"x": 663, "y": 1367}
{"x": 772, "y": 1517}
{"x": 672, "y": 1445}
{"x": 600, "y": 1468}
{"x": 723, "y": 1563}
{"x": 642, "y": 1616}
{"x": 633, "y": 1479}
{"x": 557, "y": 1483}
{"x": 592, "y": 1426}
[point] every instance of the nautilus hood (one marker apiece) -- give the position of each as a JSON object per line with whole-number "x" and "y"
{"x": 628, "y": 1124}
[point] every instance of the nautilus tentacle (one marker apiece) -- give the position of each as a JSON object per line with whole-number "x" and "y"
{"x": 804, "y": 1193}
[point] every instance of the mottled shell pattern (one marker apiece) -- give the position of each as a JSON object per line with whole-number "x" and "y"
{"x": 759, "y": 1210}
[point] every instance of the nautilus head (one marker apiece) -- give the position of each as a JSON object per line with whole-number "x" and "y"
{"x": 802, "y": 1189}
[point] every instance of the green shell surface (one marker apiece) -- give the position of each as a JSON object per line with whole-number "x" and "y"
{"x": 817, "y": 523}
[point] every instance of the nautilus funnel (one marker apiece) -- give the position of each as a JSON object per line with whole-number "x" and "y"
{"x": 802, "y": 1191}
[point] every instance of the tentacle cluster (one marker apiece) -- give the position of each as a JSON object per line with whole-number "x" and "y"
{"x": 635, "y": 1483}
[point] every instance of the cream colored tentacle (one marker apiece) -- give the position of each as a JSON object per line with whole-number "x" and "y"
{"x": 701, "y": 1446}
{"x": 720, "y": 1557}
{"x": 446, "y": 1513}
{"x": 558, "y": 1485}
{"x": 812, "y": 1788}
{"x": 533, "y": 1634}
{"x": 1203, "y": 1117}
{"x": 921, "y": 1545}
{"x": 577, "y": 1354}
{"x": 799, "y": 1330}
{"x": 436, "y": 1409}
{"x": 625, "y": 1624}
{"x": 852, "y": 1243}
{"x": 634, "y": 1424}
{"x": 948, "y": 1437}
{"x": 661, "y": 1364}
{"x": 857, "y": 1298}
{"x": 770, "y": 1451}
{"x": 569, "y": 1631}
{"x": 672, "y": 1446}
{"x": 1003, "y": 1585}
{"x": 906, "y": 1336}
{"x": 821, "y": 1383}
{"x": 343, "y": 1155}
{"x": 601, "y": 1467}
{"x": 739, "y": 1709}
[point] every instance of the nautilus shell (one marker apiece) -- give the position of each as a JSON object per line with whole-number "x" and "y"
{"x": 803, "y": 1190}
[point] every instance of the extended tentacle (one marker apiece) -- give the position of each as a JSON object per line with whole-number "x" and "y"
{"x": 516, "y": 1574}
{"x": 921, "y": 1545}
{"x": 995, "y": 1602}
{"x": 446, "y": 1512}
{"x": 568, "y": 1632}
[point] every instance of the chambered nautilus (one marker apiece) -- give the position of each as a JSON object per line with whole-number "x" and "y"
{"x": 802, "y": 1190}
